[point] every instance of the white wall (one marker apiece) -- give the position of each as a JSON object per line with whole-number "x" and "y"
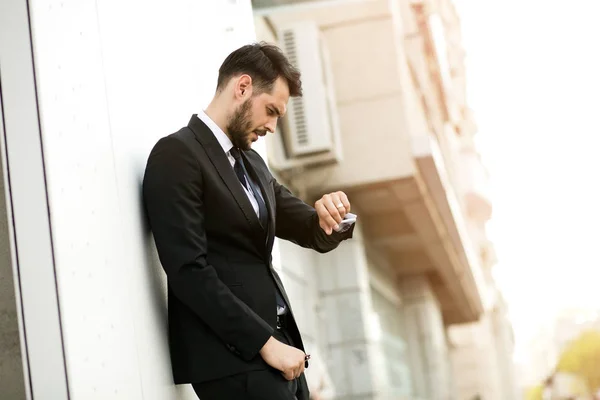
{"x": 113, "y": 77}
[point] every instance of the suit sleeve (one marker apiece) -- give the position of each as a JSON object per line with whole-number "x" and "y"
{"x": 173, "y": 196}
{"x": 298, "y": 222}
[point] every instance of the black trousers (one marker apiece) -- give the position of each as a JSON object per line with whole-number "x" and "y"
{"x": 266, "y": 384}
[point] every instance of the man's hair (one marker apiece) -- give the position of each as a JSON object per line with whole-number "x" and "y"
{"x": 264, "y": 63}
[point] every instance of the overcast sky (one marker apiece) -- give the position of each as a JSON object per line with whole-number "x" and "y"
{"x": 534, "y": 80}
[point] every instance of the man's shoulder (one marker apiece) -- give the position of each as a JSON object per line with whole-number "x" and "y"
{"x": 182, "y": 138}
{"x": 185, "y": 135}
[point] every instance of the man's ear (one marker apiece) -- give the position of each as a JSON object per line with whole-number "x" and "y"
{"x": 244, "y": 86}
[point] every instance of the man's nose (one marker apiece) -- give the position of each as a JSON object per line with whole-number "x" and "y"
{"x": 271, "y": 125}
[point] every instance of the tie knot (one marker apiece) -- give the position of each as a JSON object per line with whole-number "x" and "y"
{"x": 235, "y": 153}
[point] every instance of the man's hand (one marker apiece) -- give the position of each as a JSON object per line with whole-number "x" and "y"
{"x": 287, "y": 359}
{"x": 331, "y": 209}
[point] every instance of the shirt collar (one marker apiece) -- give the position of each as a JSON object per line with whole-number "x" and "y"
{"x": 223, "y": 139}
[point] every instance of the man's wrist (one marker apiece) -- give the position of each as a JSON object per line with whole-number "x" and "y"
{"x": 267, "y": 345}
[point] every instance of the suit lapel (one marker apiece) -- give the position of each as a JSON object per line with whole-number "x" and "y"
{"x": 221, "y": 163}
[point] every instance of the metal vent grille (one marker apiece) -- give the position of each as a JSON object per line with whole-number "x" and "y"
{"x": 300, "y": 121}
{"x": 298, "y": 110}
{"x": 290, "y": 46}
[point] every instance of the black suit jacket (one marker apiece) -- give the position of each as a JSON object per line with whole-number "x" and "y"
{"x": 217, "y": 257}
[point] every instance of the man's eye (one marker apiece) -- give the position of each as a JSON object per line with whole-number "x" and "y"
{"x": 271, "y": 111}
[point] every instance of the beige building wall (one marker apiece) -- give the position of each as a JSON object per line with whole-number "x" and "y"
{"x": 375, "y": 322}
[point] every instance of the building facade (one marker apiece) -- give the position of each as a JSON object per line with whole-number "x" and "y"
{"x": 381, "y": 309}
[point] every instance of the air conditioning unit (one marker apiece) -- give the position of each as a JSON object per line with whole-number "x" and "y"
{"x": 309, "y": 134}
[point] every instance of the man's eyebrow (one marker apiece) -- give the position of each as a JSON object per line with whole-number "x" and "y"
{"x": 277, "y": 110}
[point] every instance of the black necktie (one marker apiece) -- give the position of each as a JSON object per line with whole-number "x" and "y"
{"x": 244, "y": 178}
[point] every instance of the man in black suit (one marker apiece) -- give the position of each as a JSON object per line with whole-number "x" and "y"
{"x": 214, "y": 209}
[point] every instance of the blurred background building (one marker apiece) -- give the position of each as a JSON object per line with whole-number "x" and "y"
{"x": 407, "y": 310}
{"x": 409, "y": 307}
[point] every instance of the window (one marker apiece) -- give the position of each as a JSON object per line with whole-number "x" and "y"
{"x": 392, "y": 344}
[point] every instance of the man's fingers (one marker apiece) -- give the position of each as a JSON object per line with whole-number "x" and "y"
{"x": 300, "y": 369}
{"x": 295, "y": 373}
{"x": 288, "y": 375}
{"x": 344, "y": 200}
{"x": 296, "y": 368}
{"x": 332, "y": 208}
{"x": 325, "y": 217}
{"x": 340, "y": 207}
{"x": 325, "y": 228}
{"x": 331, "y": 203}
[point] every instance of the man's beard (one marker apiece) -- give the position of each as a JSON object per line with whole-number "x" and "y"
{"x": 239, "y": 126}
